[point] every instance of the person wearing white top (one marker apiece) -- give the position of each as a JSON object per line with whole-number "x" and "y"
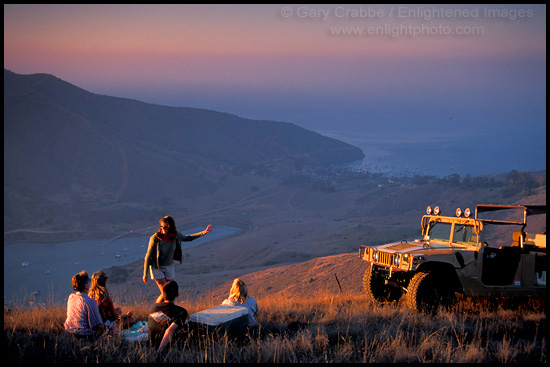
{"x": 238, "y": 296}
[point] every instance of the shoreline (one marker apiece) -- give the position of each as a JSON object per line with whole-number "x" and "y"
{"x": 50, "y": 266}
{"x": 75, "y": 236}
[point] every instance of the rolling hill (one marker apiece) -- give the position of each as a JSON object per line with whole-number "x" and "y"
{"x": 79, "y": 165}
{"x": 100, "y": 161}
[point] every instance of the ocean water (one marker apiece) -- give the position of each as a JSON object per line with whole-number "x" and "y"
{"x": 47, "y": 268}
{"x": 441, "y": 155}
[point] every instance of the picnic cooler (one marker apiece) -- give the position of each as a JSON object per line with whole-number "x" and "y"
{"x": 219, "y": 318}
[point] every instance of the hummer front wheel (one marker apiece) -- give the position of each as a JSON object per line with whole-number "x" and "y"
{"x": 426, "y": 292}
{"x": 375, "y": 287}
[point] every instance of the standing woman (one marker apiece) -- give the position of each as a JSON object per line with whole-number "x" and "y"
{"x": 164, "y": 248}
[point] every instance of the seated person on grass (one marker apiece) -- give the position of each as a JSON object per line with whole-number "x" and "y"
{"x": 83, "y": 318}
{"x": 166, "y": 320}
{"x": 238, "y": 296}
{"x": 113, "y": 318}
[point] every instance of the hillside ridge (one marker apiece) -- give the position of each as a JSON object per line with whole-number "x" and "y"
{"x": 114, "y": 160}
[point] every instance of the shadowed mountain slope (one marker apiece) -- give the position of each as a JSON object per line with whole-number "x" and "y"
{"x": 70, "y": 151}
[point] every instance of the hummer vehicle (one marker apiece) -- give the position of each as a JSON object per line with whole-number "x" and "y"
{"x": 460, "y": 254}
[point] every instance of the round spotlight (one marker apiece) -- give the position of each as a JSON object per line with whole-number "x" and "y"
{"x": 458, "y": 212}
{"x": 467, "y": 213}
{"x": 429, "y": 210}
{"x": 437, "y": 211}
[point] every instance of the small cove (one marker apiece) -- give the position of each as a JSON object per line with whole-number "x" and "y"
{"x": 47, "y": 268}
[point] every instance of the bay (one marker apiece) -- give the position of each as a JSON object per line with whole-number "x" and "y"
{"x": 38, "y": 270}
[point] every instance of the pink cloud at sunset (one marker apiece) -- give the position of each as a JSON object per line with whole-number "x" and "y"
{"x": 131, "y": 31}
{"x": 315, "y": 65}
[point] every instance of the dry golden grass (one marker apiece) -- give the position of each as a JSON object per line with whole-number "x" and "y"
{"x": 342, "y": 327}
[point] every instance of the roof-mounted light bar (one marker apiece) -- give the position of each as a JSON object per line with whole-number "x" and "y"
{"x": 435, "y": 211}
{"x": 467, "y": 213}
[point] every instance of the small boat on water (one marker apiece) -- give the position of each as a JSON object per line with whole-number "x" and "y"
{"x": 25, "y": 263}
{"x": 36, "y": 293}
{"x": 117, "y": 256}
{"x": 47, "y": 272}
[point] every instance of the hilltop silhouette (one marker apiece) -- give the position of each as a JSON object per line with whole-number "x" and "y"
{"x": 97, "y": 160}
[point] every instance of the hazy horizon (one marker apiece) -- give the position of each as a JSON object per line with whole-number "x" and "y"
{"x": 436, "y": 102}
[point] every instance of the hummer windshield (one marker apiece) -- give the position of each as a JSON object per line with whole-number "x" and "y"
{"x": 465, "y": 235}
{"x": 440, "y": 231}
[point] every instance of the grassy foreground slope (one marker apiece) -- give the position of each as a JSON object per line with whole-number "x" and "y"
{"x": 306, "y": 322}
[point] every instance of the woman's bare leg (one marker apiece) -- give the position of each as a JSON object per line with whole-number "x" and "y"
{"x": 160, "y": 283}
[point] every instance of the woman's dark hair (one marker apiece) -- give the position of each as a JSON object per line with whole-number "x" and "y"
{"x": 79, "y": 281}
{"x": 168, "y": 221}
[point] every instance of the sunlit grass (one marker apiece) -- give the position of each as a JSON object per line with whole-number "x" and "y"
{"x": 326, "y": 328}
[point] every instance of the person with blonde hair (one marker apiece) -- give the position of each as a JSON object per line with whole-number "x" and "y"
{"x": 238, "y": 296}
{"x": 109, "y": 313}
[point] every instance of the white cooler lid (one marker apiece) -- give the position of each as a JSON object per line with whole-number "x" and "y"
{"x": 218, "y": 315}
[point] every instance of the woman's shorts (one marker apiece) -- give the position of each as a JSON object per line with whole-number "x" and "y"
{"x": 163, "y": 272}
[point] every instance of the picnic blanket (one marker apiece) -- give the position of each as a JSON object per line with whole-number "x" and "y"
{"x": 138, "y": 332}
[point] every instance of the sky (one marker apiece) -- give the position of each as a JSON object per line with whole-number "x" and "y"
{"x": 406, "y": 83}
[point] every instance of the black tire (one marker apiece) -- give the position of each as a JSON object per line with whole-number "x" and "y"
{"x": 376, "y": 289}
{"x": 427, "y": 291}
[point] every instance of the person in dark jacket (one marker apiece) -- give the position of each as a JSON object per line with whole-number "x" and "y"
{"x": 164, "y": 248}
